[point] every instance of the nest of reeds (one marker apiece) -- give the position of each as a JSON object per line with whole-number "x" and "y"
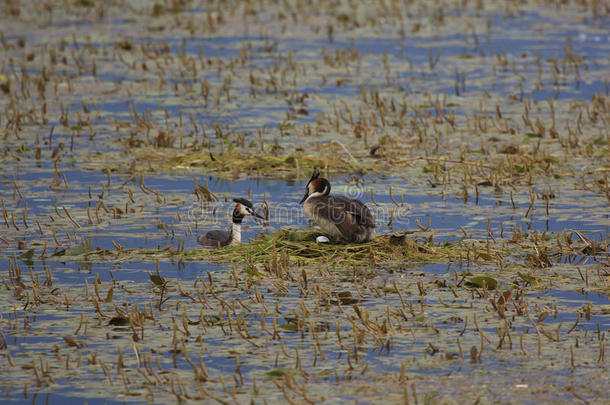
{"x": 294, "y": 245}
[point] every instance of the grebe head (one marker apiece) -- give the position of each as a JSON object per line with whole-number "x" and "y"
{"x": 243, "y": 207}
{"x": 316, "y": 187}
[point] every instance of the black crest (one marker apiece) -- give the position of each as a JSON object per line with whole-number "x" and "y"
{"x": 243, "y": 201}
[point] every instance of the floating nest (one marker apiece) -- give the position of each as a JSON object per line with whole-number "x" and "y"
{"x": 288, "y": 244}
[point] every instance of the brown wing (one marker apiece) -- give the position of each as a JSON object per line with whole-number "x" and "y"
{"x": 351, "y": 217}
{"x": 358, "y": 212}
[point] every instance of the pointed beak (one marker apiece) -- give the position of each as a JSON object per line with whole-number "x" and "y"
{"x": 255, "y": 214}
{"x": 304, "y": 197}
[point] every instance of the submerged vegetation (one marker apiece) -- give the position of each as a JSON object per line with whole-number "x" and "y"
{"x": 127, "y": 127}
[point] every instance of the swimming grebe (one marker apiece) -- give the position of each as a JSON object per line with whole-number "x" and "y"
{"x": 342, "y": 217}
{"x": 219, "y": 238}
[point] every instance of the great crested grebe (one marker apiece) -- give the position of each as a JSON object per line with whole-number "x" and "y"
{"x": 346, "y": 218}
{"x": 243, "y": 207}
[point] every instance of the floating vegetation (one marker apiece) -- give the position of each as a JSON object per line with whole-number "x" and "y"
{"x": 290, "y": 246}
{"x": 127, "y": 130}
